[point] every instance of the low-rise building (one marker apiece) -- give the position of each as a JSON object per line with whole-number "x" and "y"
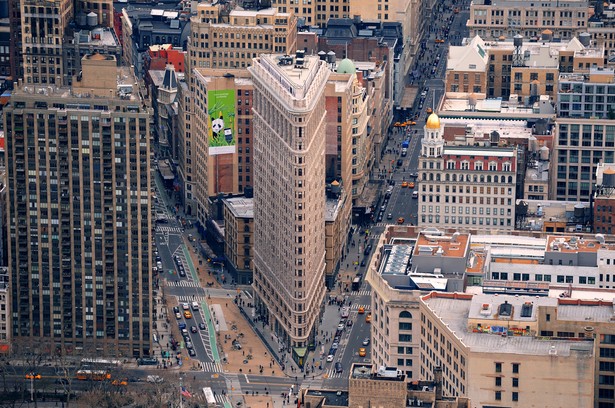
{"x": 589, "y": 95}
{"x": 239, "y": 237}
{"x": 77, "y": 44}
{"x": 604, "y": 199}
{"x": 553, "y": 216}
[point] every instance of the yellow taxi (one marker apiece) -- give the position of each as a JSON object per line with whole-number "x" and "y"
{"x": 362, "y": 352}
{"x": 439, "y": 41}
{"x": 401, "y": 220}
{"x": 404, "y": 184}
{"x": 120, "y": 382}
{"x": 429, "y": 110}
{"x": 411, "y": 184}
{"x": 187, "y": 314}
{"x": 368, "y": 317}
{"x": 361, "y": 310}
{"x": 411, "y": 123}
{"x": 397, "y": 124}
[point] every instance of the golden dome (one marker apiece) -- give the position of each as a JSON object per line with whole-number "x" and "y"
{"x": 433, "y": 122}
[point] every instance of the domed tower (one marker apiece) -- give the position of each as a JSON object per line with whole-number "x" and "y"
{"x": 433, "y": 142}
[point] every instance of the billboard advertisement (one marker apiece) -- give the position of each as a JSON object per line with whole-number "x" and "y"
{"x": 221, "y": 112}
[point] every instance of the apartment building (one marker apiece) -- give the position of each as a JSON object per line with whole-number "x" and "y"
{"x": 579, "y": 146}
{"x": 511, "y": 17}
{"x": 465, "y": 187}
{"x": 507, "y": 350}
{"x": 289, "y": 252}
{"x": 79, "y": 226}
{"x": 100, "y": 11}
{"x": 43, "y": 26}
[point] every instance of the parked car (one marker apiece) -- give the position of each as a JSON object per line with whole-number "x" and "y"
{"x": 191, "y": 352}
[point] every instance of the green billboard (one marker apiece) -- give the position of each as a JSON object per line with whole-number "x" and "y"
{"x": 221, "y": 112}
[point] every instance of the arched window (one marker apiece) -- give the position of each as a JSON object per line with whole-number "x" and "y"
{"x": 437, "y": 176}
{"x": 405, "y": 315}
{"x": 510, "y": 179}
{"x": 496, "y": 179}
{"x": 448, "y": 177}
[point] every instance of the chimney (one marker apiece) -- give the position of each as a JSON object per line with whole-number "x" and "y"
{"x": 437, "y": 375}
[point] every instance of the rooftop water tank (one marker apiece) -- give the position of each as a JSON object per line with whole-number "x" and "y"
{"x": 544, "y": 153}
{"x": 92, "y": 19}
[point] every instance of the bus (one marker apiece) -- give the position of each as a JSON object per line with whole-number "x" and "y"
{"x": 356, "y": 284}
{"x": 209, "y": 397}
{"x": 93, "y": 375}
{"x": 100, "y": 363}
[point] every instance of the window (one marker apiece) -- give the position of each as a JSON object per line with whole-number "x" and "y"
{"x": 498, "y": 395}
{"x": 498, "y": 367}
{"x": 498, "y": 381}
{"x": 515, "y": 368}
{"x": 515, "y": 382}
{"x": 515, "y": 396}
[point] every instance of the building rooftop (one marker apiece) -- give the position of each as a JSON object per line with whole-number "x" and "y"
{"x": 332, "y": 207}
{"x": 469, "y": 58}
{"x": 586, "y": 310}
{"x": 507, "y": 308}
{"x": 454, "y": 310}
{"x": 296, "y": 74}
{"x": 538, "y": 172}
{"x": 432, "y": 242}
{"x": 367, "y": 372}
{"x": 331, "y": 398}
{"x": 241, "y": 207}
{"x": 96, "y": 37}
{"x": 571, "y": 244}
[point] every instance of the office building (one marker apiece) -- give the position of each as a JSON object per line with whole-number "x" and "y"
{"x": 43, "y": 26}
{"x": 579, "y": 146}
{"x": 508, "y": 18}
{"x": 225, "y": 37}
{"x": 5, "y": 311}
{"x": 465, "y": 187}
{"x": 79, "y": 226}
{"x": 590, "y": 95}
{"x": 96, "y": 12}
{"x": 80, "y": 43}
{"x": 213, "y": 51}
{"x": 508, "y": 350}
{"x": 289, "y": 217}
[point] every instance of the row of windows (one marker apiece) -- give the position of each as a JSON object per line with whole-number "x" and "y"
{"x": 460, "y": 220}
{"x": 584, "y": 280}
{"x": 453, "y": 209}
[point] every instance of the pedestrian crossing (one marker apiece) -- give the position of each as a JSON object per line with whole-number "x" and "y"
{"x": 332, "y": 374}
{"x": 356, "y": 307}
{"x": 183, "y": 283}
{"x": 361, "y": 293}
{"x": 211, "y": 367}
{"x": 168, "y": 230}
{"x": 222, "y": 400}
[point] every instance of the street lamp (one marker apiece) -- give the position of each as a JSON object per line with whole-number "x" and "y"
{"x": 32, "y": 377}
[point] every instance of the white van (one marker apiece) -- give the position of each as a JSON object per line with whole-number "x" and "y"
{"x": 195, "y": 305}
{"x": 415, "y": 194}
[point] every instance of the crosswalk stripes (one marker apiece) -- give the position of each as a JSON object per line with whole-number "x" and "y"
{"x": 177, "y": 230}
{"x": 187, "y": 299}
{"x": 332, "y": 374}
{"x": 211, "y": 367}
{"x": 356, "y": 306}
{"x": 183, "y": 283}
{"x": 361, "y": 293}
{"x": 222, "y": 399}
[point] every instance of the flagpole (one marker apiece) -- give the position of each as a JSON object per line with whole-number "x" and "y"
{"x": 181, "y": 399}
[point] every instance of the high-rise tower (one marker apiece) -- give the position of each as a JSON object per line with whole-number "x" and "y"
{"x": 78, "y": 210}
{"x": 289, "y": 189}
